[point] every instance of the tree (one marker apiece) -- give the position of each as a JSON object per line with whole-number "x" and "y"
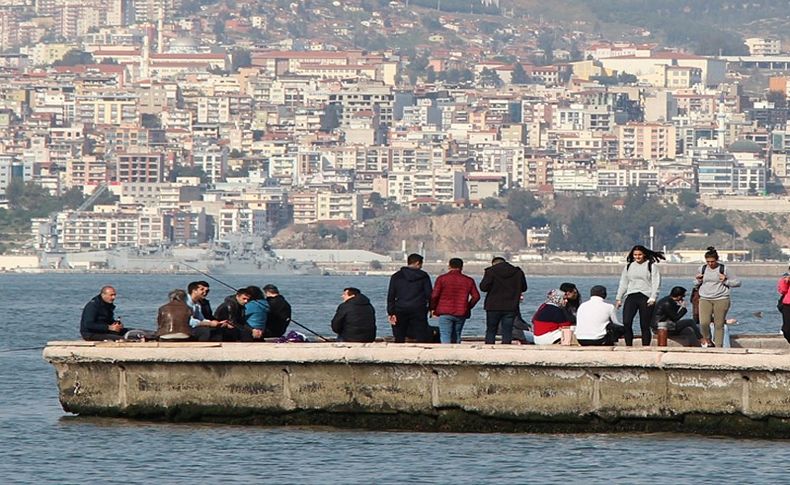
{"x": 521, "y": 208}
{"x": 761, "y": 236}
{"x": 239, "y": 57}
{"x": 75, "y": 57}
{"x": 490, "y": 78}
{"x": 519, "y": 75}
{"x": 491, "y": 203}
{"x": 688, "y": 198}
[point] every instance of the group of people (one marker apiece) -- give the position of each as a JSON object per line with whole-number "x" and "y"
{"x": 250, "y": 314}
{"x": 254, "y": 314}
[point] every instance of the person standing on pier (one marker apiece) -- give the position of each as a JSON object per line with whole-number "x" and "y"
{"x": 454, "y": 295}
{"x": 503, "y": 284}
{"x": 783, "y": 285}
{"x": 714, "y": 282}
{"x": 408, "y": 301}
{"x": 639, "y": 285}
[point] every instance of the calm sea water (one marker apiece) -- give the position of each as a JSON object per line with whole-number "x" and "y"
{"x": 39, "y": 443}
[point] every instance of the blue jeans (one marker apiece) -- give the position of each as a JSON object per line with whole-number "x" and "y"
{"x": 450, "y": 328}
{"x": 493, "y": 320}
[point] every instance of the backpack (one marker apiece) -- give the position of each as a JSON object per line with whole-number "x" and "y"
{"x": 704, "y": 267}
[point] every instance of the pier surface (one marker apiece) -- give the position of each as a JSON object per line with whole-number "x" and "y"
{"x": 463, "y": 387}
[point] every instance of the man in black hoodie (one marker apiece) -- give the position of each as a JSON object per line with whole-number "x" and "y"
{"x": 503, "y": 284}
{"x": 279, "y": 312}
{"x": 355, "y": 318}
{"x": 408, "y": 301}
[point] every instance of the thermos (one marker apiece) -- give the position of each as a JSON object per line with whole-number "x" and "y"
{"x": 662, "y": 334}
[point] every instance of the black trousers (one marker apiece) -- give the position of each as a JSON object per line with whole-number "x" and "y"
{"x": 786, "y": 322}
{"x": 216, "y": 334}
{"x": 675, "y": 328}
{"x": 637, "y": 302}
{"x": 613, "y": 334}
{"x": 98, "y": 337}
{"x": 412, "y": 324}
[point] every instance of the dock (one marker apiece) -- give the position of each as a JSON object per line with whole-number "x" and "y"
{"x": 468, "y": 387}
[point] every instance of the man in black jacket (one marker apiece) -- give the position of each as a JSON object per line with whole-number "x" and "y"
{"x": 98, "y": 318}
{"x": 408, "y": 301}
{"x": 503, "y": 284}
{"x": 671, "y": 310}
{"x": 232, "y": 311}
{"x": 279, "y": 312}
{"x": 355, "y": 318}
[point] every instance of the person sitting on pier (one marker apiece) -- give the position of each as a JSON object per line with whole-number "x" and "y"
{"x": 172, "y": 319}
{"x": 572, "y": 300}
{"x": 670, "y": 310}
{"x": 355, "y": 318}
{"x": 408, "y": 302}
{"x": 205, "y": 305}
{"x": 98, "y": 320}
{"x": 503, "y": 285}
{"x": 596, "y": 320}
{"x": 256, "y": 315}
{"x": 203, "y": 329}
{"x": 279, "y": 315}
{"x": 232, "y": 309}
{"x": 550, "y": 318}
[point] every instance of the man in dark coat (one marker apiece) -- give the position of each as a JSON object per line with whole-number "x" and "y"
{"x": 408, "y": 301}
{"x": 279, "y": 313}
{"x": 355, "y": 318}
{"x": 503, "y": 284}
{"x": 671, "y": 310}
{"x": 98, "y": 318}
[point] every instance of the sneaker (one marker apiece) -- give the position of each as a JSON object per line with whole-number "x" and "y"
{"x": 708, "y": 344}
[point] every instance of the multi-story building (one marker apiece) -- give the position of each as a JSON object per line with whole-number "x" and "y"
{"x": 647, "y": 141}
{"x": 139, "y": 167}
{"x": 761, "y": 46}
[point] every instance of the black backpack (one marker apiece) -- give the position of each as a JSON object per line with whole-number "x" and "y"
{"x": 704, "y": 267}
{"x": 649, "y": 267}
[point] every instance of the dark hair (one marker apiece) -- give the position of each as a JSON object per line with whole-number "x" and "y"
{"x": 244, "y": 291}
{"x": 352, "y": 291}
{"x": 271, "y": 288}
{"x": 413, "y": 259}
{"x": 568, "y": 287}
{"x": 598, "y": 290}
{"x": 456, "y": 263}
{"x": 497, "y": 260}
{"x": 677, "y": 291}
{"x": 712, "y": 253}
{"x": 255, "y": 293}
{"x": 650, "y": 255}
{"x": 194, "y": 285}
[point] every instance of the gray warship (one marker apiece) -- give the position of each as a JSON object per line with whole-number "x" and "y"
{"x": 242, "y": 254}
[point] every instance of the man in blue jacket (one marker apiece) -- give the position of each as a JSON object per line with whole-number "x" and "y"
{"x": 408, "y": 301}
{"x": 98, "y": 318}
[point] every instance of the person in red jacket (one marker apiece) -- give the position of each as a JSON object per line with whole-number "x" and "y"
{"x": 453, "y": 297}
{"x": 783, "y": 286}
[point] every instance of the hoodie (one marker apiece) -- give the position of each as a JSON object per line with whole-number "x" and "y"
{"x": 355, "y": 320}
{"x": 503, "y": 284}
{"x": 409, "y": 291}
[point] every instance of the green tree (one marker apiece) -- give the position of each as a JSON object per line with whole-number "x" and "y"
{"x": 688, "y": 198}
{"x": 522, "y": 208}
{"x": 761, "y": 236}
{"x": 519, "y": 75}
{"x": 491, "y": 203}
{"x": 239, "y": 57}
{"x": 75, "y": 57}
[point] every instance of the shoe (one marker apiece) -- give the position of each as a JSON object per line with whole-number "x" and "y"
{"x": 708, "y": 344}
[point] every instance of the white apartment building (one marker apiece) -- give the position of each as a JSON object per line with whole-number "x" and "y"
{"x": 619, "y": 180}
{"x": 331, "y": 206}
{"x": 93, "y": 230}
{"x": 648, "y": 141}
{"x": 761, "y": 46}
{"x": 571, "y": 179}
{"x": 213, "y": 159}
{"x": 240, "y": 220}
{"x": 443, "y": 185}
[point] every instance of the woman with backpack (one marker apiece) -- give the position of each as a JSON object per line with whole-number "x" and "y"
{"x": 639, "y": 285}
{"x": 714, "y": 283}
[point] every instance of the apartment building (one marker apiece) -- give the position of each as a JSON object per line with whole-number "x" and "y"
{"x": 442, "y": 185}
{"x": 364, "y": 97}
{"x": 647, "y": 141}
{"x": 761, "y": 46}
{"x": 139, "y": 167}
{"x": 211, "y": 158}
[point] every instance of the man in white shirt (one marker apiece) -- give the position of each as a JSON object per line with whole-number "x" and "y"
{"x": 596, "y": 320}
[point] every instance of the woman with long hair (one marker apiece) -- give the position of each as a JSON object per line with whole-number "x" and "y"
{"x": 713, "y": 283}
{"x": 639, "y": 285}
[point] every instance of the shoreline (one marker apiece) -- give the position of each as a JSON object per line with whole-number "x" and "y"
{"x": 472, "y": 268}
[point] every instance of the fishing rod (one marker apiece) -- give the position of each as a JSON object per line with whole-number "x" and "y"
{"x": 234, "y": 289}
{"x": 20, "y": 349}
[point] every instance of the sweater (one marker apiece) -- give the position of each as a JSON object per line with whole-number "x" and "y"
{"x": 454, "y": 294}
{"x": 503, "y": 284}
{"x": 639, "y": 278}
{"x": 711, "y": 287}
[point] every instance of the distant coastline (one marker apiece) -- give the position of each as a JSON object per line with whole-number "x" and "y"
{"x": 746, "y": 270}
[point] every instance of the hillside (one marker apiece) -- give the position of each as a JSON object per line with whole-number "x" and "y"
{"x": 459, "y": 231}
{"x": 706, "y": 26}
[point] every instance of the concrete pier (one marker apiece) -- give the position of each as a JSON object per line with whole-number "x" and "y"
{"x": 464, "y": 387}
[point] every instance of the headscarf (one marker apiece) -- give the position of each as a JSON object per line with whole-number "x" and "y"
{"x": 555, "y": 297}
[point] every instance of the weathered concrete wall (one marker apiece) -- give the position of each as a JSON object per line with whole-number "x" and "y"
{"x": 466, "y": 387}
